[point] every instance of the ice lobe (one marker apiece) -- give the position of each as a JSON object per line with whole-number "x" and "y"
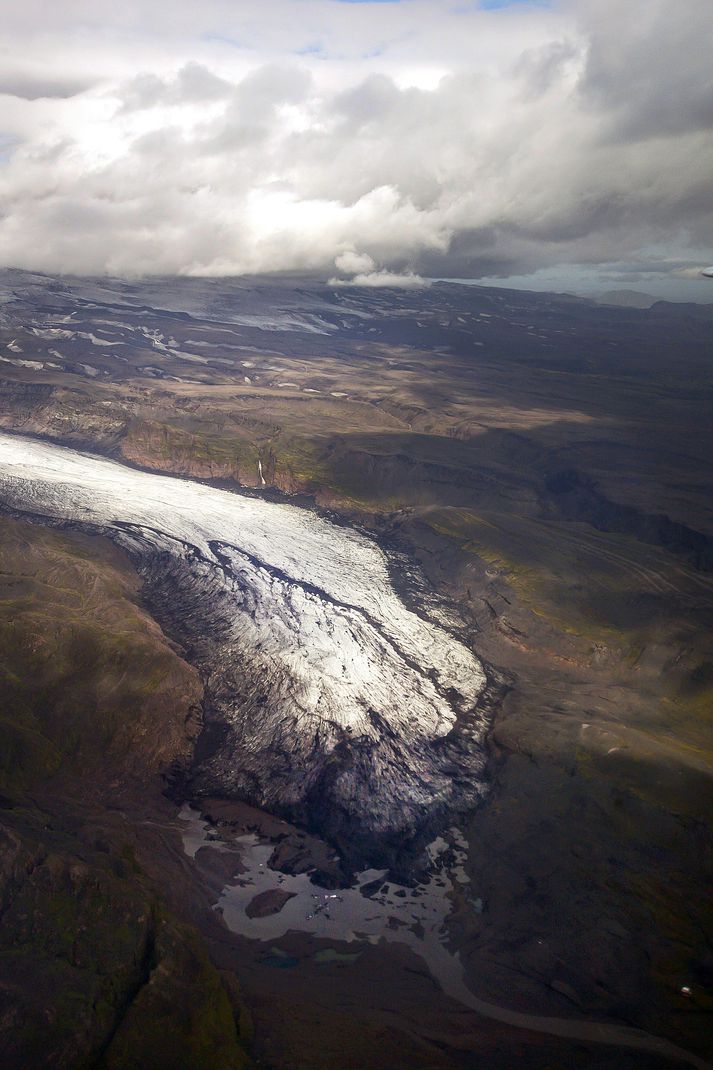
{"x": 334, "y": 702}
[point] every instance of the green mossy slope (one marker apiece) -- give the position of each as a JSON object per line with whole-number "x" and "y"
{"x": 95, "y": 971}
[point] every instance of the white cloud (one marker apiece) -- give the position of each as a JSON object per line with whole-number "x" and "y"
{"x": 425, "y": 137}
{"x": 406, "y": 281}
{"x": 692, "y": 272}
{"x": 364, "y": 272}
{"x": 350, "y": 262}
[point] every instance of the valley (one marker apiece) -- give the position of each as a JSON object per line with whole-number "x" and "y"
{"x": 481, "y": 520}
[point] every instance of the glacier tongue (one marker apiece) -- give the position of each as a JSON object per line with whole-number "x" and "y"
{"x": 334, "y": 701}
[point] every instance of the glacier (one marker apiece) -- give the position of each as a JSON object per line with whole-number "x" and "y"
{"x": 327, "y": 698}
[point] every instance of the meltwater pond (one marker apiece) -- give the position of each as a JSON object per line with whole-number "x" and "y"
{"x": 372, "y": 909}
{"x": 415, "y": 917}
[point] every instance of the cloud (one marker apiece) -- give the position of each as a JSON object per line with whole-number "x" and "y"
{"x": 407, "y": 281}
{"x": 352, "y": 263}
{"x": 364, "y": 272}
{"x": 29, "y": 85}
{"x": 692, "y": 272}
{"x": 192, "y": 84}
{"x": 435, "y": 139}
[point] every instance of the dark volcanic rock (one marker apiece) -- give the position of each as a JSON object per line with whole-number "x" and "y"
{"x": 266, "y": 903}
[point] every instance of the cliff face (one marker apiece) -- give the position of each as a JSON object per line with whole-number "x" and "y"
{"x": 200, "y": 453}
{"x": 60, "y": 412}
{"x": 94, "y": 969}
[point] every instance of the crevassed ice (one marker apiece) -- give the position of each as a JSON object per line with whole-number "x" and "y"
{"x": 334, "y": 700}
{"x": 347, "y": 566}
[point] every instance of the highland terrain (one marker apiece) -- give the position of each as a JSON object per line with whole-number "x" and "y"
{"x": 534, "y": 474}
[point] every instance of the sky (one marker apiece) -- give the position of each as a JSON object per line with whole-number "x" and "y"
{"x": 562, "y": 144}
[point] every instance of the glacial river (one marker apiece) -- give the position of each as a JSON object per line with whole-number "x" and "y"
{"x": 416, "y": 917}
